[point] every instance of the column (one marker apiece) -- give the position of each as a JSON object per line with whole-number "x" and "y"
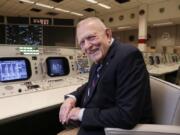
{"x": 142, "y": 29}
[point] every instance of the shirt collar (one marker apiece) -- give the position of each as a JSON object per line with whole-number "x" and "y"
{"x": 112, "y": 40}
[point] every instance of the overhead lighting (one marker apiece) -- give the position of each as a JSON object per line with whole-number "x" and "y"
{"x": 163, "y": 24}
{"x": 44, "y": 5}
{"x": 51, "y": 7}
{"x": 27, "y": 1}
{"x": 78, "y": 14}
{"x": 62, "y": 10}
{"x": 98, "y": 3}
{"x": 124, "y": 27}
{"x": 104, "y": 6}
{"x": 92, "y": 1}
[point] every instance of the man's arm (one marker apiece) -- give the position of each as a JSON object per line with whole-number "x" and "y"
{"x": 65, "y": 108}
{"x": 71, "y": 100}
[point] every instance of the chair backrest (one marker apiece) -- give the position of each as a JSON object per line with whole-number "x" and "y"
{"x": 165, "y": 102}
{"x": 178, "y": 77}
{"x": 166, "y": 108}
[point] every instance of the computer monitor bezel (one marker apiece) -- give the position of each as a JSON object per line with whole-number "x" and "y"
{"x": 65, "y": 63}
{"x": 28, "y": 67}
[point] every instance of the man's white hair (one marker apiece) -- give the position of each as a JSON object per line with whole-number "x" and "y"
{"x": 95, "y": 20}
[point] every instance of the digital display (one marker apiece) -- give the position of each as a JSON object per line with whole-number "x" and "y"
{"x": 2, "y": 34}
{"x": 14, "y": 69}
{"x": 174, "y": 59}
{"x": 24, "y": 34}
{"x": 17, "y": 20}
{"x": 55, "y": 36}
{"x": 157, "y": 60}
{"x": 151, "y": 60}
{"x": 42, "y": 21}
{"x": 1, "y": 19}
{"x": 82, "y": 64}
{"x": 65, "y": 22}
{"x": 57, "y": 66}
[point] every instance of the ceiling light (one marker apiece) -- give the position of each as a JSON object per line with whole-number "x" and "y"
{"x": 124, "y": 27}
{"x": 104, "y": 6}
{"x": 62, "y": 10}
{"x": 163, "y": 24}
{"x": 78, "y": 14}
{"x": 27, "y": 1}
{"x": 44, "y": 5}
{"x": 92, "y": 1}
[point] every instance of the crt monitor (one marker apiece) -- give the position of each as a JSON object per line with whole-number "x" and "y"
{"x": 57, "y": 66}
{"x": 157, "y": 60}
{"x": 14, "y": 69}
{"x": 151, "y": 60}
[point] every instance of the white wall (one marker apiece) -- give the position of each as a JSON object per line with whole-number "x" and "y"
{"x": 166, "y": 36}
{"x": 159, "y": 36}
{"x": 124, "y": 36}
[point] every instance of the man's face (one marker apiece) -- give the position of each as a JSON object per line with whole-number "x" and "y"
{"x": 94, "y": 41}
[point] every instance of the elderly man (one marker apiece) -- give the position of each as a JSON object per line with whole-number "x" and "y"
{"x": 117, "y": 93}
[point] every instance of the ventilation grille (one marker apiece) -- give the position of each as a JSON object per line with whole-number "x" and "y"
{"x": 57, "y": 1}
{"x": 35, "y": 10}
{"x": 89, "y": 9}
{"x": 52, "y": 13}
{"x": 122, "y": 1}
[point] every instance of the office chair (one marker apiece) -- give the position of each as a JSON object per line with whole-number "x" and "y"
{"x": 166, "y": 109}
{"x": 178, "y": 77}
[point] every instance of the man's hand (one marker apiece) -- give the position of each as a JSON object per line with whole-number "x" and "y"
{"x": 74, "y": 114}
{"x": 65, "y": 108}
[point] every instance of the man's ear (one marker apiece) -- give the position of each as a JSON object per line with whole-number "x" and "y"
{"x": 109, "y": 33}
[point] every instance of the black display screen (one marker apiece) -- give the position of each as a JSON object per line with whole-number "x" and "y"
{"x": 57, "y": 66}
{"x": 14, "y": 69}
{"x": 54, "y": 36}
{"x": 157, "y": 60}
{"x": 65, "y": 22}
{"x": 42, "y": 21}
{"x": 2, "y": 34}
{"x": 17, "y": 20}
{"x": 1, "y": 19}
{"x": 151, "y": 60}
{"x": 24, "y": 34}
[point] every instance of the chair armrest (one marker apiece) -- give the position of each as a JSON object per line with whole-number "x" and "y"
{"x": 145, "y": 129}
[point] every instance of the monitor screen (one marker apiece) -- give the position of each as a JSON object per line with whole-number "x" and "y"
{"x": 24, "y": 34}
{"x": 157, "y": 60}
{"x": 151, "y": 60}
{"x": 57, "y": 66}
{"x": 14, "y": 69}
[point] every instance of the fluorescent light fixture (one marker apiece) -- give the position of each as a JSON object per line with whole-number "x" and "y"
{"x": 44, "y": 5}
{"x": 92, "y": 1}
{"x": 78, "y": 14}
{"x": 62, "y": 10}
{"x": 163, "y": 24}
{"x": 104, "y": 6}
{"x": 27, "y": 1}
{"x": 124, "y": 27}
